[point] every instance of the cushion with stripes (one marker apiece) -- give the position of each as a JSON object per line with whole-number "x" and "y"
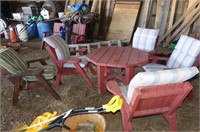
{"x": 61, "y": 48}
{"x": 185, "y": 52}
{"x": 49, "y": 73}
{"x": 145, "y": 39}
{"x": 160, "y": 78}
{"x": 11, "y": 61}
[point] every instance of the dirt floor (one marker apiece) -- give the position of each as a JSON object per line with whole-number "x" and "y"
{"x": 75, "y": 93}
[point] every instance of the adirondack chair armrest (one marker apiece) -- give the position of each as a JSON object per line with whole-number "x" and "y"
{"x": 34, "y": 72}
{"x": 60, "y": 63}
{"x": 113, "y": 87}
{"x": 41, "y": 60}
{"x": 154, "y": 59}
{"x": 153, "y": 52}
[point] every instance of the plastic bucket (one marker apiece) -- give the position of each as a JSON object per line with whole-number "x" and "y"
{"x": 97, "y": 119}
{"x": 32, "y": 30}
{"x": 44, "y": 27}
{"x": 22, "y": 32}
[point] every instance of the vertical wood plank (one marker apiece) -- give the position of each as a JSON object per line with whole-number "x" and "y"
{"x": 171, "y": 19}
{"x": 161, "y": 21}
{"x": 144, "y": 14}
{"x": 189, "y": 4}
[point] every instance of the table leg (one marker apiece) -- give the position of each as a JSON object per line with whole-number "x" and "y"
{"x": 101, "y": 79}
{"x": 129, "y": 73}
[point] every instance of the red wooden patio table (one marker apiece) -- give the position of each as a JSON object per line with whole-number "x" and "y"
{"x": 116, "y": 57}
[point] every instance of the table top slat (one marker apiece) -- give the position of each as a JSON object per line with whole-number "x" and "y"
{"x": 107, "y": 55}
{"x": 114, "y": 59}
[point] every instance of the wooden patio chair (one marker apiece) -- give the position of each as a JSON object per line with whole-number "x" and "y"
{"x": 145, "y": 39}
{"x": 66, "y": 64}
{"x": 151, "y": 93}
{"x": 24, "y": 77}
{"x": 78, "y": 33}
{"x": 185, "y": 54}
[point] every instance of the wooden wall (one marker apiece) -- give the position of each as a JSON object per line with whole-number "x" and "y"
{"x": 172, "y": 17}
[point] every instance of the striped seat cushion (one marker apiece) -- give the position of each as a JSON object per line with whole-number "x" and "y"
{"x": 11, "y": 61}
{"x": 159, "y": 78}
{"x": 82, "y": 64}
{"x": 61, "y": 49}
{"x": 185, "y": 52}
{"x": 145, "y": 39}
{"x": 154, "y": 67}
{"x": 49, "y": 73}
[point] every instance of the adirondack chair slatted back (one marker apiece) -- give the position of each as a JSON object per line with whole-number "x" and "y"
{"x": 61, "y": 48}
{"x": 11, "y": 61}
{"x": 145, "y": 39}
{"x": 79, "y": 29}
{"x": 158, "y": 99}
{"x": 185, "y": 53}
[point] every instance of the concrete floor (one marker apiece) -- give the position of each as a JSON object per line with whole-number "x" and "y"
{"x": 75, "y": 93}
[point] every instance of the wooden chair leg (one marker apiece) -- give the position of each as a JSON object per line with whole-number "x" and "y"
{"x": 83, "y": 74}
{"x": 48, "y": 87}
{"x": 171, "y": 119}
{"x": 190, "y": 96}
{"x": 127, "y": 126}
{"x": 58, "y": 78}
{"x": 16, "y": 91}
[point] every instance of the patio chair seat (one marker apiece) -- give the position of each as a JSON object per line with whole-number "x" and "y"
{"x": 48, "y": 74}
{"x": 82, "y": 64}
{"x": 154, "y": 67}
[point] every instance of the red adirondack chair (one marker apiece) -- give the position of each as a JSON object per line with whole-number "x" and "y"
{"x": 60, "y": 54}
{"x": 78, "y": 34}
{"x": 152, "y": 99}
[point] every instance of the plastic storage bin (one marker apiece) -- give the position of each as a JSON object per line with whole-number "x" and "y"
{"x": 44, "y": 27}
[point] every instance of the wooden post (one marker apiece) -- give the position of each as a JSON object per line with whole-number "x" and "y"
{"x": 145, "y": 12}
{"x": 162, "y": 15}
{"x": 94, "y": 5}
{"x": 171, "y": 19}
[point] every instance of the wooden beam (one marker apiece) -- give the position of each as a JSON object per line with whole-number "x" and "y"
{"x": 94, "y": 6}
{"x": 178, "y": 21}
{"x": 157, "y": 11}
{"x": 190, "y": 3}
{"x": 145, "y": 12}
{"x": 171, "y": 19}
{"x": 193, "y": 16}
{"x": 162, "y": 16}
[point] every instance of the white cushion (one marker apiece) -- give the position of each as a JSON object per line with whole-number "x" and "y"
{"x": 159, "y": 78}
{"x": 61, "y": 48}
{"x": 185, "y": 52}
{"x": 145, "y": 39}
{"x": 153, "y": 67}
{"x": 83, "y": 62}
